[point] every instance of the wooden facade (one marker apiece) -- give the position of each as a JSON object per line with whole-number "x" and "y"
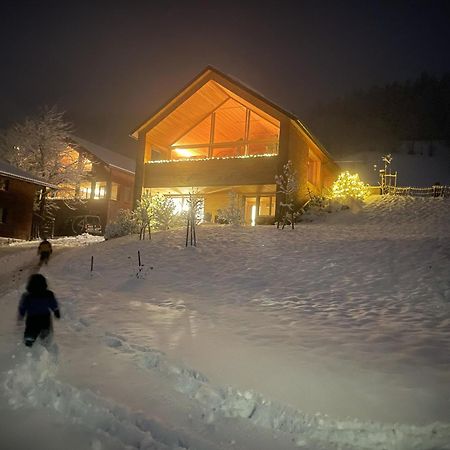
{"x": 17, "y": 193}
{"x": 216, "y": 136}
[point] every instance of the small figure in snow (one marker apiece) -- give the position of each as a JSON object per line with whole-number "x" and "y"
{"x": 44, "y": 251}
{"x": 37, "y": 304}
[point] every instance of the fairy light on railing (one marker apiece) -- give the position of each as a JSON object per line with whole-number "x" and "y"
{"x": 264, "y": 155}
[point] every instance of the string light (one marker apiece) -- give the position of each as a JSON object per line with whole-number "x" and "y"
{"x": 349, "y": 186}
{"x": 264, "y": 155}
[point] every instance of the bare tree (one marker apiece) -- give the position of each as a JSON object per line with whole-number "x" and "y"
{"x": 194, "y": 202}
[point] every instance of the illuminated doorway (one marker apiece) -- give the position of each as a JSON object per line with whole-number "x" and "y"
{"x": 250, "y": 211}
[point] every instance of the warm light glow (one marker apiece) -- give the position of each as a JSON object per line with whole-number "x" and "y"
{"x": 253, "y": 215}
{"x": 349, "y": 186}
{"x": 185, "y": 153}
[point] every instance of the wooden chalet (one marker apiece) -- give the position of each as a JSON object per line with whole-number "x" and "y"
{"x": 105, "y": 186}
{"x": 218, "y": 135}
{"x": 17, "y": 193}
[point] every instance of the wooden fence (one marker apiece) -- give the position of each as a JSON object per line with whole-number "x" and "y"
{"x": 434, "y": 191}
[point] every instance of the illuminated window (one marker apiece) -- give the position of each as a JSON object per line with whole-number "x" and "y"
{"x": 267, "y": 205}
{"x": 261, "y": 128}
{"x": 231, "y": 130}
{"x": 200, "y": 134}
{"x": 190, "y": 153}
{"x": 114, "y": 191}
{"x": 227, "y": 152}
{"x": 85, "y": 189}
{"x": 229, "y": 122}
{"x": 100, "y": 189}
{"x": 181, "y": 203}
{"x": 69, "y": 157}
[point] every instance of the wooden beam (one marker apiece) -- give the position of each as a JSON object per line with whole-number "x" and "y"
{"x": 227, "y": 144}
{"x": 211, "y": 133}
{"x": 247, "y": 129}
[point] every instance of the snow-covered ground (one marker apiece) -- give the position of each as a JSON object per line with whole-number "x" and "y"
{"x": 332, "y": 335}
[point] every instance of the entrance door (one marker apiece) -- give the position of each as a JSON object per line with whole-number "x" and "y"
{"x": 250, "y": 211}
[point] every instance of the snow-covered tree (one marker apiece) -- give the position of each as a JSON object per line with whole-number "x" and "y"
{"x": 39, "y": 145}
{"x": 143, "y": 216}
{"x": 163, "y": 213}
{"x": 287, "y": 186}
{"x": 232, "y": 214}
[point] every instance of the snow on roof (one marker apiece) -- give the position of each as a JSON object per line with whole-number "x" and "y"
{"x": 107, "y": 156}
{"x": 11, "y": 171}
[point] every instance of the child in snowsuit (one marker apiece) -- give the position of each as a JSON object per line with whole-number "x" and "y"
{"x": 44, "y": 251}
{"x": 37, "y": 304}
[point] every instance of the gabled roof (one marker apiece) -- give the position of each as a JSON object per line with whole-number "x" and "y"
{"x": 11, "y": 171}
{"x": 109, "y": 157}
{"x": 204, "y": 76}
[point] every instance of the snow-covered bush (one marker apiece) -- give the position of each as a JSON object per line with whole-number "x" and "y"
{"x": 164, "y": 214}
{"x": 232, "y": 214}
{"x": 124, "y": 225}
{"x": 142, "y": 216}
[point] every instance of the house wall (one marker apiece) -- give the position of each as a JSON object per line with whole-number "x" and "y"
{"x": 124, "y": 200}
{"x": 298, "y": 154}
{"x": 106, "y": 208}
{"x": 18, "y": 202}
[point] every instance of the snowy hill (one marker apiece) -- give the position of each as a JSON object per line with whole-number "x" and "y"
{"x": 418, "y": 163}
{"x": 333, "y": 335}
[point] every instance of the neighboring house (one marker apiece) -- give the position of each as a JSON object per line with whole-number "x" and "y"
{"x": 216, "y": 136}
{"x": 105, "y": 186}
{"x": 17, "y": 193}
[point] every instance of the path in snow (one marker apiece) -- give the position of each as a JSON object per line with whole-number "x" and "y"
{"x": 348, "y": 316}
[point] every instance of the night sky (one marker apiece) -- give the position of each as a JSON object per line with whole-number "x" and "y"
{"x": 109, "y": 65}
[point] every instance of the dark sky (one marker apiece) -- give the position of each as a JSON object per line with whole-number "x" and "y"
{"x": 109, "y": 65}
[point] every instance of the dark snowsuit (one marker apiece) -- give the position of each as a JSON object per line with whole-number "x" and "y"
{"x": 37, "y": 306}
{"x": 44, "y": 251}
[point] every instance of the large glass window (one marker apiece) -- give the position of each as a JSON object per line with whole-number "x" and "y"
{"x": 190, "y": 153}
{"x": 200, "y": 134}
{"x": 229, "y": 122}
{"x": 231, "y": 130}
{"x": 100, "y": 189}
{"x": 85, "y": 189}
{"x": 267, "y": 205}
{"x": 262, "y": 129}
